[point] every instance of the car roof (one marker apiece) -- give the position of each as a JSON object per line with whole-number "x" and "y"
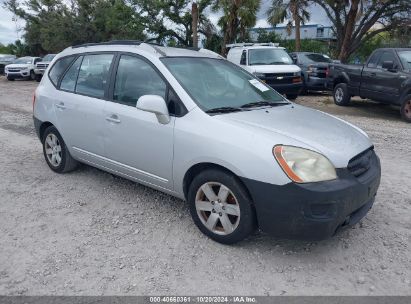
{"x": 151, "y": 49}
{"x": 252, "y": 47}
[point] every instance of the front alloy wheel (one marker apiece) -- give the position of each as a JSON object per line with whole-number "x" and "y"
{"x": 217, "y": 208}
{"x": 221, "y": 207}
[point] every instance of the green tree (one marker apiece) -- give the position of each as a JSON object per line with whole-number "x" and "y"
{"x": 290, "y": 11}
{"x": 52, "y": 25}
{"x": 264, "y": 36}
{"x": 165, "y": 19}
{"x": 354, "y": 21}
{"x": 238, "y": 16}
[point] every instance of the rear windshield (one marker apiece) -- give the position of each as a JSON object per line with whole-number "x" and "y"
{"x": 405, "y": 57}
{"x": 314, "y": 58}
{"x": 268, "y": 57}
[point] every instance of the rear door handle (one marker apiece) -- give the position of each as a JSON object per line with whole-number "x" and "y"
{"x": 60, "y": 106}
{"x": 113, "y": 118}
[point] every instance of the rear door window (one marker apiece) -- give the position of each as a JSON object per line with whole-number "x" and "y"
{"x": 94, "y": 75}
{"x": 59, "y": 68}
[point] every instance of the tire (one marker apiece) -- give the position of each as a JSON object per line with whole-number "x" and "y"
{"x": 62, "y": 161}
{"x": 219, "y": 209}
{"x": 32, "y": 75}
{"x": 38, "y": 78}
{"x": 406, "y": 109}
{"x": 341, "y": 95}
{"x": 291, "y": 96}
{"x": 10, "y": 79}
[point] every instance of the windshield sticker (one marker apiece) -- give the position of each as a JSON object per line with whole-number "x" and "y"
{"x": 259, "y": 85}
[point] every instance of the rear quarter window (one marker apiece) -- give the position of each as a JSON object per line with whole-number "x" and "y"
{"x": 59, "y": 68}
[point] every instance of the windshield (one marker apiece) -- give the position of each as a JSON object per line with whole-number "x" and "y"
{"x": 48, "y": 57}
{"x": 216, "y": 83}
{"x": 24, "y": 60}
{"x": 405, "y": 57}
{"x": 268, "y": 56}
{"x": 314, "y": 58}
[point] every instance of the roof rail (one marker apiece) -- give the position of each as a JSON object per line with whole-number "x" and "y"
{"x": 233, "y": 45}
{"x": 114, "y": 42}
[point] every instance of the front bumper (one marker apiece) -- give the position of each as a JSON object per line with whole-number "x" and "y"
{"x": 39, "y": 71}
{"x": 15, "y": 75}
{"x": 314, "y": 211}
{"x": 292, "y": 88}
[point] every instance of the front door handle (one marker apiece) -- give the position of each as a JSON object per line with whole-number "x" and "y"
{"x": 60, "y": 106}
{"x": 113, "y": 118}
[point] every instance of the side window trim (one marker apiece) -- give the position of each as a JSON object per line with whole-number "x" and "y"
{"x": 113, "y": 77}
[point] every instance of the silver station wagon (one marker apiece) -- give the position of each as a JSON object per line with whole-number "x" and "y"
{"x": 193, "y": 125}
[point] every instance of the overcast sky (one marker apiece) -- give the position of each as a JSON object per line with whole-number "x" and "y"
{"x": 8, "y": 32}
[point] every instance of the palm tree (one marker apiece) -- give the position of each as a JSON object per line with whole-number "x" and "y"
{"x": 238, "y": 15}
{"x": 291, "y": 11}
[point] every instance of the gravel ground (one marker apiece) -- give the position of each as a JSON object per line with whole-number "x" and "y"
{"x": 90, "y": 233}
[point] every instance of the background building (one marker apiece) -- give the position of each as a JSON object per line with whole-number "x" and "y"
{"x": 311, "y": 31}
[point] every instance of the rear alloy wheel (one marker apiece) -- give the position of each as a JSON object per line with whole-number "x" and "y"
{"x": 341, "y": 95}
{"x": 220, "y": 207}
{"x": 406, "y": 109}
{"x": 55, "y": 152}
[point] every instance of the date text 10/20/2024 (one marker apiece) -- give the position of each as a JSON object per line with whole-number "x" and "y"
{"x": 205, "y": 299}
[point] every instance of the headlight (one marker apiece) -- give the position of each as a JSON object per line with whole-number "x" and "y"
{"x": 304, "y": 166}
{"x": 259, "y": 75}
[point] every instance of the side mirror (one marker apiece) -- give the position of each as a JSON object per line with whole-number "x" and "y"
{"x": 388, "y": 65}
{"x": 154, "y": 104}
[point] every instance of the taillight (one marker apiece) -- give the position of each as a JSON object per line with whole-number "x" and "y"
{"x": 34, "y": 99}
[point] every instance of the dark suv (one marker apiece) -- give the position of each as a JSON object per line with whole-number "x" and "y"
{"x": 314, "y": 69}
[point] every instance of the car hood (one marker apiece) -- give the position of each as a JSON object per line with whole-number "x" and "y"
{"x": 275, "y": 68}
{"x": 296, "y": 125}
{"x": 20, "y": 66}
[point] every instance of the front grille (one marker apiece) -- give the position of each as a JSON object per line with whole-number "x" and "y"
{"x": 42, "y": 65}
{"x": 279, "y": 78}
{"x": 271, "y": 75}
{"x": 361, "y": 163}
{"x": 14, "y": 70}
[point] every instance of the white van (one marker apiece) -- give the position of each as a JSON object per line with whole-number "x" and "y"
{"x": 271, "y": 64}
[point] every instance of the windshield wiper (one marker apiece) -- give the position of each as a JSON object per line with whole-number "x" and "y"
{"x": 264, "y": 103}
{"x": 223, "y": 110}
